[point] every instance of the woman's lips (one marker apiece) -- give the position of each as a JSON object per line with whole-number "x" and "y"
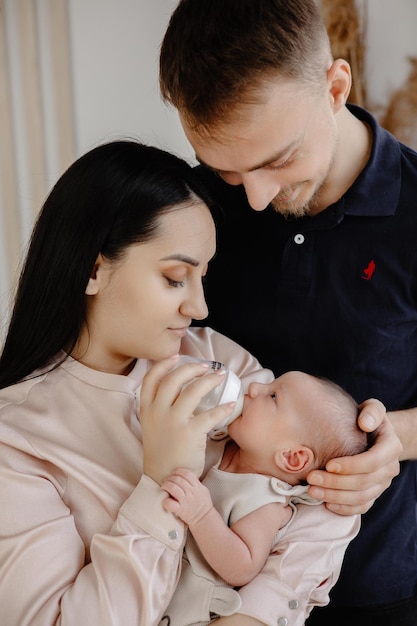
{"x": 180, "y": 331}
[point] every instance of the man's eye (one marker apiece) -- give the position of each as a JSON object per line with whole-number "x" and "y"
{"x": 280, "y": 166}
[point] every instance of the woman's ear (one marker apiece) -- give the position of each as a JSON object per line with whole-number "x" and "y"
{"x": 294, "y": 460}
{"x": 339, "y": 78}
{"x": 93, "y": 285}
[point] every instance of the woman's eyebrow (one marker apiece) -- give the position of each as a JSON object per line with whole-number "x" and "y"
{"x": 181, "y": 257}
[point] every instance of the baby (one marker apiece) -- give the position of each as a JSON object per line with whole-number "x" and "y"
{"x": 238, "y": 512}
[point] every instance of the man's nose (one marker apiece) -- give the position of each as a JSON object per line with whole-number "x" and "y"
{"x": 261, "y": 188}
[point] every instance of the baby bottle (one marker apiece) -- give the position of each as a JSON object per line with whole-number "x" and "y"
{"x": 229, "y": 390}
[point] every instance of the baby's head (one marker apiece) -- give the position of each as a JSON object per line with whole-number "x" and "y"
{"x": 331, "y": 425}
{"x": 295, "y": 424}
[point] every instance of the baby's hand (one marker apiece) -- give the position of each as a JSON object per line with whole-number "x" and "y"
{"x": 189, "y": 499}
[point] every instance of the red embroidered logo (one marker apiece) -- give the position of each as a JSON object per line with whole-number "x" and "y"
{"x": 368, "y": 272}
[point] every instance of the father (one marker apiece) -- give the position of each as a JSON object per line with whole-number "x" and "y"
{"x": 316, "y": 267}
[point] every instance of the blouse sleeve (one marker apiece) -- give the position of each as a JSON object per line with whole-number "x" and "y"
{"x": 44, "y": 577}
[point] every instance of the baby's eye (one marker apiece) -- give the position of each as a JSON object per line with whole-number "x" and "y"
{"x": 273, "y": 396}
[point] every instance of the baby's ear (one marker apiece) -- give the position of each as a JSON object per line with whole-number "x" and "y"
{"x": 294, "y": 460}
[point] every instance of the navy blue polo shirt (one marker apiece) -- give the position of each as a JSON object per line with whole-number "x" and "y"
{"x": 335, "y": 295}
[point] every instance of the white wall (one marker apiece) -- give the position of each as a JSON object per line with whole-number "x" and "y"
{"x": 392, "y": 37}
{"x": 115, "y": 46}
{"x": 115, "y": 50}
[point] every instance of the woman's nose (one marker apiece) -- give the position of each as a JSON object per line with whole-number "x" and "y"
{"x": 195, "y": 305}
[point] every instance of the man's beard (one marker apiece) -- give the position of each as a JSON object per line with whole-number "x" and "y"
{"x": 311, "y": 206}
{"x": 295, "y": 208}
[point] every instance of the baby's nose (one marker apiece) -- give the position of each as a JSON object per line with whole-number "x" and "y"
{"x": 255, "y": 389}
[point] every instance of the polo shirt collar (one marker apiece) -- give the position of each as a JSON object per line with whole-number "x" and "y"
{"x": 376, "y": 191}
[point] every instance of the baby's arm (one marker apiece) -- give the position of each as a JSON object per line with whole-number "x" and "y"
{"x": 237, "y": 553}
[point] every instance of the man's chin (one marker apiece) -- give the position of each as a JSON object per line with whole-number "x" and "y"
{"x": 297, "y": 206}
{"x": 289, "y": 209}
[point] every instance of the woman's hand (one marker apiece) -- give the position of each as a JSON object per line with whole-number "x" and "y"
{"x": 172, "y": 436}
{"x": 352, "y": 484}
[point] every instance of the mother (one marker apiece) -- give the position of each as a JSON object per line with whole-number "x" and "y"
{"x": 89, "y": 424}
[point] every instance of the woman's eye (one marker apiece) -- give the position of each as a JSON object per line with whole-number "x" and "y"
{"x": 174, "y": 283}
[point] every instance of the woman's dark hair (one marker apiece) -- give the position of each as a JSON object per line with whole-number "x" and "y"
{"x": 109, "y": 199}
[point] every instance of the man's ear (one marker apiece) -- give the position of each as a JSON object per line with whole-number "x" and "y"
{"x": 93, "y": 285}
{"x": 294, "y": 460}
{"x": 339, "y": 79}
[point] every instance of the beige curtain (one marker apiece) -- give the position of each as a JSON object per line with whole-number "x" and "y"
{"x": 36, "y": 122}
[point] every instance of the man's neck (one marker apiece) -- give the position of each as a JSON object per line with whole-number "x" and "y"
{"x": 352, "y": 155}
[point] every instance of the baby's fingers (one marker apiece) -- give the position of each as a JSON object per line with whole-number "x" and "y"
{"x": 171, "y": 506}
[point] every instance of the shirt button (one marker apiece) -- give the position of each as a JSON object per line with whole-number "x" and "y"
{"x": 282, "y": 621}
{"x": 173, "y": 534}
{"x": 299, "y": 239}
{"x": 293, "y": 604}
